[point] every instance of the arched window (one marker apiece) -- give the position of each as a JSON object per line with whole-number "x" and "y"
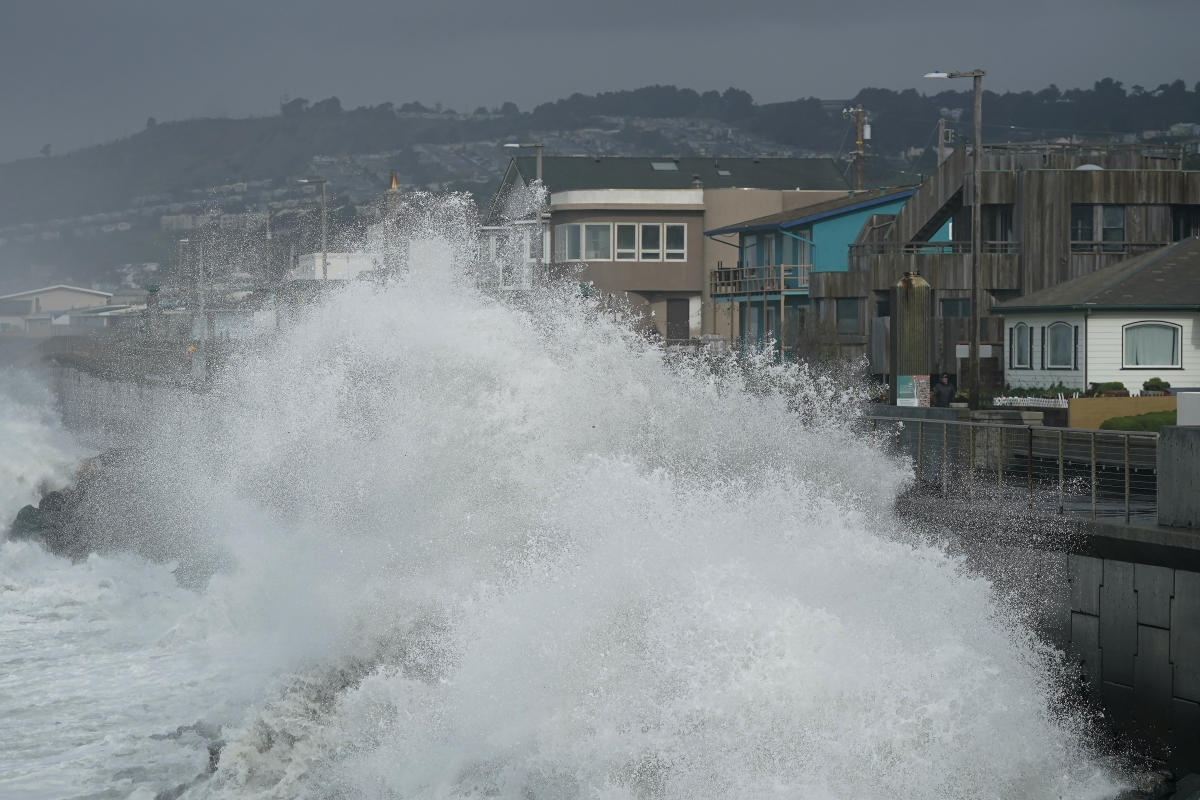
{"x": 1060, "y": 346}
{"x": 1151, "y": 344}
{"x": 1018, "y": 340}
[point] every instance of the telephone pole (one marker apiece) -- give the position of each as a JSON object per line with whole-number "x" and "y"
{"x": 859, "y": 142}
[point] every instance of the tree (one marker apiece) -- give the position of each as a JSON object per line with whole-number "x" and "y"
{"x": 151, "y": 122}
{"x": 330, "y": 106}
{"x": 294, "y": 108}
{"x": 45, "y": 151}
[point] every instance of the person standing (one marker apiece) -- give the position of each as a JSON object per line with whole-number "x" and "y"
{"x": 942, "y": 392}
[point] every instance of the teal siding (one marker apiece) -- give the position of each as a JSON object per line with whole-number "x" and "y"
{"x": 835, "y": 235}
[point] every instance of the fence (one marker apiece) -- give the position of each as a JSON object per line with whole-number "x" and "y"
{"x": 1101, "y": 474}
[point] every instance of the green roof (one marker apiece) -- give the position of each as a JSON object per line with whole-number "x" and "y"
{"x": 1167, "y": 278}
{"x": 567, "y": 173}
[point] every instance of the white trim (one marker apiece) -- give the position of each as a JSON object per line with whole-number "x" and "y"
{"x": 668, "y": 251}
{"x": 1177, "y": 355}
{"x": 32, "y": 292}
{"x": 633, "y": 197}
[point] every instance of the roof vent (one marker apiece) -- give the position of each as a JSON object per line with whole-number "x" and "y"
{"x": 697, "y": 183}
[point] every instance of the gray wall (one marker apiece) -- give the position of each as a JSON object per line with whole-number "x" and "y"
{"x": 1178, "y": 470}
{"x": 1135, "y": 629}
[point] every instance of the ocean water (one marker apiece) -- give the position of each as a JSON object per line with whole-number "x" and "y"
{"x": 484, "y": 548}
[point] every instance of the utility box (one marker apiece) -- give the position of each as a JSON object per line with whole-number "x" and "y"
{"x": 1188, "y": 408}
{"x": 911, "y": 305}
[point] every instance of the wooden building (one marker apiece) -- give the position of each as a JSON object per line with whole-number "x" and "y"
{"x": 1049, "y": 214}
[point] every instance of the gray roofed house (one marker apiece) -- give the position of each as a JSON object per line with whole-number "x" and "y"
{"x": 1127, "y": 322}
{"x": 634, "y": 226}
{"x": 1167, "y": 278}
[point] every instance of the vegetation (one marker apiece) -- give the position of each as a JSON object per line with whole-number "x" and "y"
{"x": 1051, "y": 391}
{"x": 178, "y": 156}
{"x": 1155, "y": 384}
{"x": 1140, "y": 422}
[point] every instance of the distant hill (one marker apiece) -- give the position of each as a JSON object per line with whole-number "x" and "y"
{"x": 170, "y": 165}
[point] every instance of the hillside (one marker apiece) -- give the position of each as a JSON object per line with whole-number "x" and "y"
{"x": 79, "y": 214}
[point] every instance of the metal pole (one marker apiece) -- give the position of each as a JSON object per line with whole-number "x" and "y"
{"x": 1060, "y": 471}
{"x": 324, "y": 235}
{"x": 971, "y": 453}
{"x": 1127, "y": 479}
{"x": 1029, "y": 465}
{"x": 781, "y": 311}
{"x": 976, "y": 238}
{"x": 1093, "y": 459}
{"x": 541, "y": 212}
{"x": 920, "y": 448}
{"x": 945, "y": 458}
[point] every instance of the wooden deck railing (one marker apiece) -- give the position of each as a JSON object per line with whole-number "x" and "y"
{"x": 759, "y": 280}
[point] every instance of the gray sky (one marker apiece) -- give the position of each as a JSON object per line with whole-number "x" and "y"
{"x": 74, "y": 73}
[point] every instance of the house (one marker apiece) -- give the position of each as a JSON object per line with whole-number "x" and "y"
{"x": 334, "y": 266}
{"x": 778, "y": 256}
{"x": 1133, "y": 320}
{"x": 42, "y": 312}
{"x": 634, "y": 227}
{"x": 1049, "y": 213}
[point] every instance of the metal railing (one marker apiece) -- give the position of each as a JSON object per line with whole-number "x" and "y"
{"x": 754, "y": 280}
{"x": 931, "y": 248}
{"x": 1093, "y": 473}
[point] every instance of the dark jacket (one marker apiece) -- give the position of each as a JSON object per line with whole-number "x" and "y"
{"x": 942, "y": 394}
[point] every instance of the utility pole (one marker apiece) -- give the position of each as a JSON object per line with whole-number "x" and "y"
{"x": 324, "y": 226}
{"x": 976, "y": 214}
{"x": 859, "y": 143}
{"x": 941, "y": 144}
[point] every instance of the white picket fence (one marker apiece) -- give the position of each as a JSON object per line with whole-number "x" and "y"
{"x": 1031, "y": 402}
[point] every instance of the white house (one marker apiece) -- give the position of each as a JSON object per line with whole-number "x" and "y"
{"x": 336, "y": 266}
{"x": 1134, "y": 320}
{"x": 37, "y": 311}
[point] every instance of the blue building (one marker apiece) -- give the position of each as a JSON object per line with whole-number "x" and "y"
{"x": 777, "y": 256}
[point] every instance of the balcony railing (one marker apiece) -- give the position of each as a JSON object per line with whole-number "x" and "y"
{"x": 1128, "y": 248}
{"x": 929, "y": 248}
{"x": 758, "y": 280}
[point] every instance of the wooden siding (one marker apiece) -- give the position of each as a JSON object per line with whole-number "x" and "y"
{"x": 1038, "y": 374}
{"x": 1105, "y": 354}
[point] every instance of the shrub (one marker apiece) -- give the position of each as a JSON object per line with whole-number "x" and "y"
{"x": 1140, "y": 422}
{"x": 1155, "y": 384}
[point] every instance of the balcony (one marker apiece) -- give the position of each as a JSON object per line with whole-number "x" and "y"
{"x": 724, "y": 281}
{"x": 930, "y": 248}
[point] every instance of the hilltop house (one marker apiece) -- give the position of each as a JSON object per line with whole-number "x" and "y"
{"x": 1133, "y": 320}
{"x": 779, "y": 255}
{"x": 634, "y": 227}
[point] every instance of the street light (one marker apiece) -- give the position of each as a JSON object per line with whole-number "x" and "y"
{"x": 976, "y": 243}
{"x": 324, "y": 225}
{"x": 541, "y": 230}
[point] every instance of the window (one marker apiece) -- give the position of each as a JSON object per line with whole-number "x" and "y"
{"x": 664, "y": 166}
{"x": 956, "y": 307}
{"x": 1113, "y": 233}
{"x": 1020, "y": 346}
{"x": 847, "y": 315}
{"x": 1087, "y": 220}
{"x": 1082, "y": 228}
{"x": 996, "y": 221}
{"x": 1060, "y": 346}
{"x": 566, "y": 243}
{"x": 627, "y": 242}
{"x": 597, "y": 242}
{"x": 1185, "y": 222}
{"x": 676, "y": 236}
{"x": 1151, "y": 344}
{"x": 651, "y": 242}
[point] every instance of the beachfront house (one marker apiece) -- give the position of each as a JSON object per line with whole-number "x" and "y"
{"x": 1128, "y": 322}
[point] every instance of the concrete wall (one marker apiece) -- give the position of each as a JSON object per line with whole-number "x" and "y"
{"x": 1090, "y": 412}
{"x": 1135, "y": 630}
{"x": 1178, "y": 471}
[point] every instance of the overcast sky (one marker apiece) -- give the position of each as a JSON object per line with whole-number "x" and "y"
{"x": 88, "y": 71}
